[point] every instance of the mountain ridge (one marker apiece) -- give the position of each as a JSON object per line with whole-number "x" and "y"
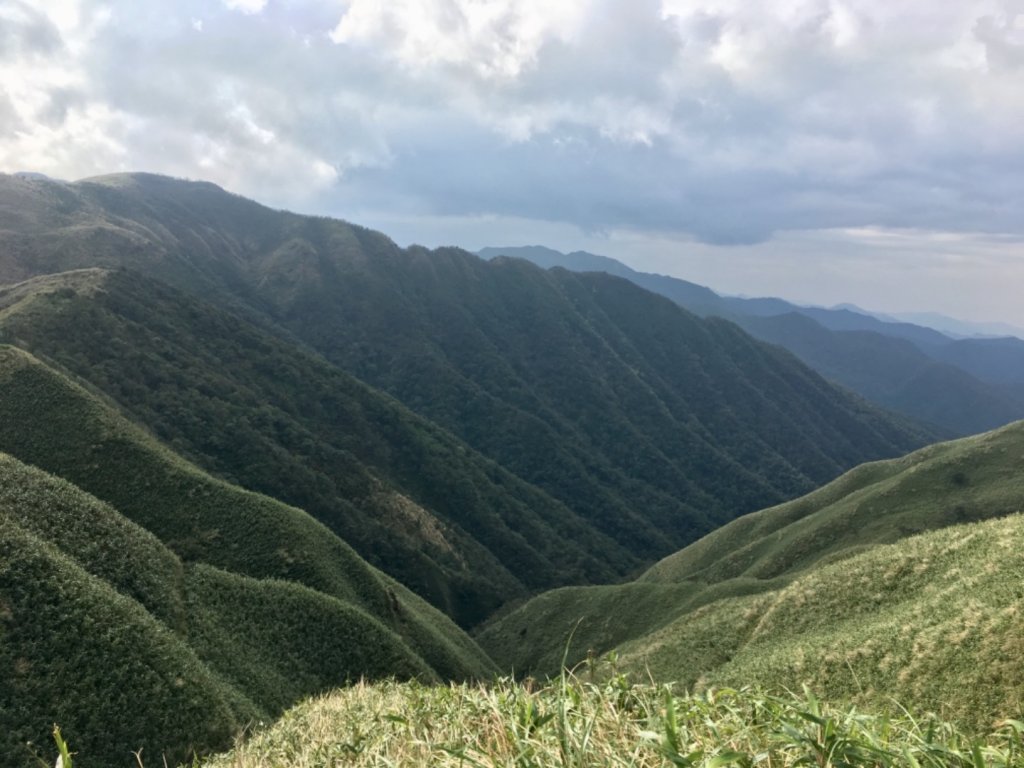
{"x": 485, "y": 430}
{"x": 960, "y": 386}
{"x": 558, "y": 379}
{"x": 378, "y": 458}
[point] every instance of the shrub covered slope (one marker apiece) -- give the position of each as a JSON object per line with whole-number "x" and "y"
{"x": 646, "y": 423}
{"x": 146, "y": 604}
{"x": 962, "y": 386}
{"x": 461, "y": 531}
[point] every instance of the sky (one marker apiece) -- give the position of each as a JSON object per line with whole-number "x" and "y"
{"x": 825, "y": 151}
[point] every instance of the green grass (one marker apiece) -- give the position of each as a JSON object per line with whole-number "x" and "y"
{"x": 834, "y": 590}
{"x": 937, "y": 620}
{"x": 573, "y": 723}
{"x": 531, "y": 639}
{"x": 974, "y": 478}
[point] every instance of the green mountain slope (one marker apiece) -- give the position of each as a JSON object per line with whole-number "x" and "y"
{"x": 649, "y": 424}
{"x": 165, "y": 609}
{"x": 960, "y": 386}
{"x": 261, "y": 412}
{"x": 653, "y": 424}
{"x": 75, "y": 650}
{"x": 936, "y": 620}
{"x": 852, "y": 589}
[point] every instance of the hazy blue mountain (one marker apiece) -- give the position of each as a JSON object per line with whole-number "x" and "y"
{"x": 998, "y": 360}
{"x": 895, "y": 373}
{"x": 704, "y": 301}
{"x": 952, "y": 326}
{"x": 845, "y": 320}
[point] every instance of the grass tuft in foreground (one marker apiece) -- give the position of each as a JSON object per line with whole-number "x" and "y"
{"x": 573, "y": 722}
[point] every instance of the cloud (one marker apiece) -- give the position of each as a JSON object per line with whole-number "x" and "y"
{"x": 721, "y": 120}
{"x": 1003, "y": 38}
{"x": 245, "y": 6}
{"x": 495, "y": 39}
{"x": 26, "y": 31}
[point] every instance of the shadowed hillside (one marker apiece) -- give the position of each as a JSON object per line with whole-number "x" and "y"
{"x": 648, "y": 424}
{"x": 960, "y": 386}
{"x": 260, "y": 412}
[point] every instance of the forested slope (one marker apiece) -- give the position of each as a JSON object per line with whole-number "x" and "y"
{"x": 146, "y": 604}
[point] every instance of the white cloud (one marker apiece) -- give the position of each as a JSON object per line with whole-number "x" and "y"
{"x": 723, "y": 121}
{"x": 246, "y": 6}
{"x": 491, "y": 38}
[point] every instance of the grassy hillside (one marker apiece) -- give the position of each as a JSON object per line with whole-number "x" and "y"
{"x": 213, "y": 605}
{"x": 936, "y": 620}
{"x": 834, "y": 590}
{"x": 260, "y": 412}
{"x": 970, "y": 479}
{"x": 648, "y": 424}
{"x": 578, "y": 723}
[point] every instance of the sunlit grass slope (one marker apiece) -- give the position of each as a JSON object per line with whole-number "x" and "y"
{"x": 832, "y": 589}
{"x": 576, "y": 723}
{"x": 145, "y": 604}
{"x": 974, "y": 478}
{"x": 937, "y": 620}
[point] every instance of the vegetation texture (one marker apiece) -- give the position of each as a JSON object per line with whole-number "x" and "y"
{"x": 573, "y": 723}
{"x": 258, "y": 411}
{"x": 144, "y": 604}
{"x": 961, "y": 386}
{"x": 166, "y": 344}
{"x": 624, "y": 426}
{"x": 834, "y": 590}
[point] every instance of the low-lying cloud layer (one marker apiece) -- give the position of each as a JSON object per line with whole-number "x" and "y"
{"x": 719, "y": 121}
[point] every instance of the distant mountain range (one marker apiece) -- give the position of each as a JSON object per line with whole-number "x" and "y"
{"x": 959, "y": 385}
{"x": 951, "y": 326}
